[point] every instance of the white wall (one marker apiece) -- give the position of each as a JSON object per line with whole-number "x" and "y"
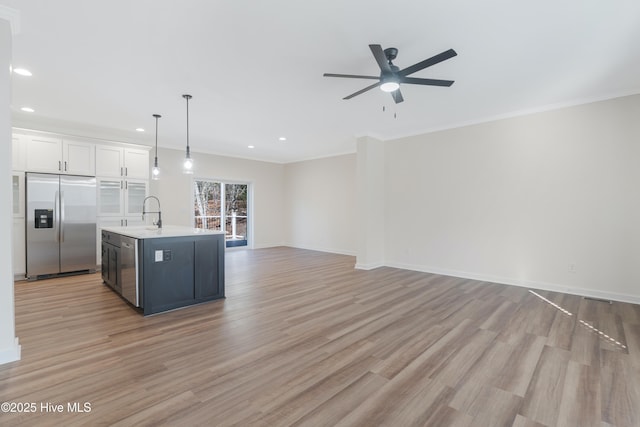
{"x": 522, "y": 200}
{"x": 174, "y": 190}
{"x": 371, "y": 210}
{"x": 9, "y": 347}
{"x": 320, "y": 204}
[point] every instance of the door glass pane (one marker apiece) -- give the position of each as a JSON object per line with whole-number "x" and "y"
{"x": 109, "y": 197}
{"x": 207, "y": 205}
{"x": 136, "y": 192}
{"x": 235, "y": 214}
{"x": 16, "y": 194}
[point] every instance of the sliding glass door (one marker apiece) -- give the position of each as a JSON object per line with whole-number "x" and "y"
{"x": 235, "y": 214}
{"x": 224, "y": 207}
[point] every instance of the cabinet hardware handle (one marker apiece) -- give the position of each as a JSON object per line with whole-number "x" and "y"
{"x": 126, "y": 222}
{"x": 59, "y": 165}
{"x": 65, "y": 166}
{"x": 126, "y": 185}
{"x": 126, "y": 171}
{"x": 121, "y": 171}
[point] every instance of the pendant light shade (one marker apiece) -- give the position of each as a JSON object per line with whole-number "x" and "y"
{"x": 187, "y": 166}
{"x": 155, "y": 173}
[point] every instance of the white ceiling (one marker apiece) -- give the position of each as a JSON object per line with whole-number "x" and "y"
{"x": 255, "y": 68}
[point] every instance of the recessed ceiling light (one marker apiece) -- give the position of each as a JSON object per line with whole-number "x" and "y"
{"x": 140, "y": 129}
{"x": 282, "y": 138}
{"x": 251, "y": 146}
{"x": 27, "y": 109}
{"x": 22, "y": 72}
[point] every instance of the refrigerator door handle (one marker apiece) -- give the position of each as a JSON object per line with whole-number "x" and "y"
{"x": 62, "y": 216}
{"x": 56, "y": 213}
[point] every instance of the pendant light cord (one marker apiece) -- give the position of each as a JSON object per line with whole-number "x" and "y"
{"x": 187, "y": 124}
{"x": 157, "y": 116}
{"x": 187, "y": 97}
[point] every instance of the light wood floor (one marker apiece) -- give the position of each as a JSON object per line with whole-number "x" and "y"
{"x": 304, "y": 339}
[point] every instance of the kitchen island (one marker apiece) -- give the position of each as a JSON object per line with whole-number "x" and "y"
{"x": 160, "y": 269}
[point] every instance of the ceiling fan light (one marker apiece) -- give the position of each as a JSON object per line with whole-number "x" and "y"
{"x": 389, "y": 86}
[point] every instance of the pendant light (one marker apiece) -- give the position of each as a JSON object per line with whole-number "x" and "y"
{"x": 187, "y": 166}
{"x": 155, "y": 173}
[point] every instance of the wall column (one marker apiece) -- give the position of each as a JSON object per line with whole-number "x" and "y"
{"x": 9, "y": 347}
{"x": 371, "y": 208}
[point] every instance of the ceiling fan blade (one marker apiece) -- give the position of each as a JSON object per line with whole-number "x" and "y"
{"x": 397, "y": 96}
{"x": 351, "y": 76}
{"x": 428, "y": 82}
{"x": 428, "y": 62}
{"x": 381, "y": 58}
{"x": 362, "y": 91}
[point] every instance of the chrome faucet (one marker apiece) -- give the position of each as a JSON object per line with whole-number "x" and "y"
{"x": 159, "y": 223}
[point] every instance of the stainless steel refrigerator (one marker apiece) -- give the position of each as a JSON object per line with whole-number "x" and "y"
{"x": 61, "y": 224}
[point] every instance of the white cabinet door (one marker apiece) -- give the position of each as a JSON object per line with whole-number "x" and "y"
{"x": 110, "y": 197}
{"x": 136, "y": 163}
{"x": 121, "y": 162}
{"x": 19, "y": 260}
{"x": 135, "y": 192}
{"x": 18, "y": 152}
{"x": 54, "y": 155}
{"x": 44, "y": 154}
{"x": 120, "y": 197}
{"x": 109, "y": 161}
{"x": 79, "y": 158}
{"x": 17, "y": 200}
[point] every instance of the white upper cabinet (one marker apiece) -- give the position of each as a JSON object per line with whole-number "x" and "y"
{"x": 122, "y": 162}
{"x": 109, "y": 161}
{"x": 44, "y": 154}
{"x": 55, "y": 155}
{"x": 136, "y": 163}
{"x": 78, "y": 158}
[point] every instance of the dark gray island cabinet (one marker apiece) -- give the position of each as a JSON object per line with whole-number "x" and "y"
{"x": 163, "y": 269}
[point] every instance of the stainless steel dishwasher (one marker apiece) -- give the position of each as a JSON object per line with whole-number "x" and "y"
{"x": 129, "y": 270}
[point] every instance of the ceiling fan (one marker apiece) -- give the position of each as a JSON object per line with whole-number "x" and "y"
{"x": 391, "y": 76}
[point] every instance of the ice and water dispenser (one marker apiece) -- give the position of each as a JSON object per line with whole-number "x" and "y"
{"x": 44, "y": 218}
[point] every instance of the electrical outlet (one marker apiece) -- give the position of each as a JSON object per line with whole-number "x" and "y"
{"x": 572, "y": 268}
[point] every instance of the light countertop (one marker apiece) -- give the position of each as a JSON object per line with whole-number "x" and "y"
{"x": 151, "y": 232}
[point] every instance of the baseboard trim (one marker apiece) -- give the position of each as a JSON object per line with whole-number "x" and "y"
{"x": 552, "y": 287}
{"x": 266, "y": 245}
{"x": 328, "y": 250}
{"x": 11, "y": 354}
{"x": 373, "y": 266}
